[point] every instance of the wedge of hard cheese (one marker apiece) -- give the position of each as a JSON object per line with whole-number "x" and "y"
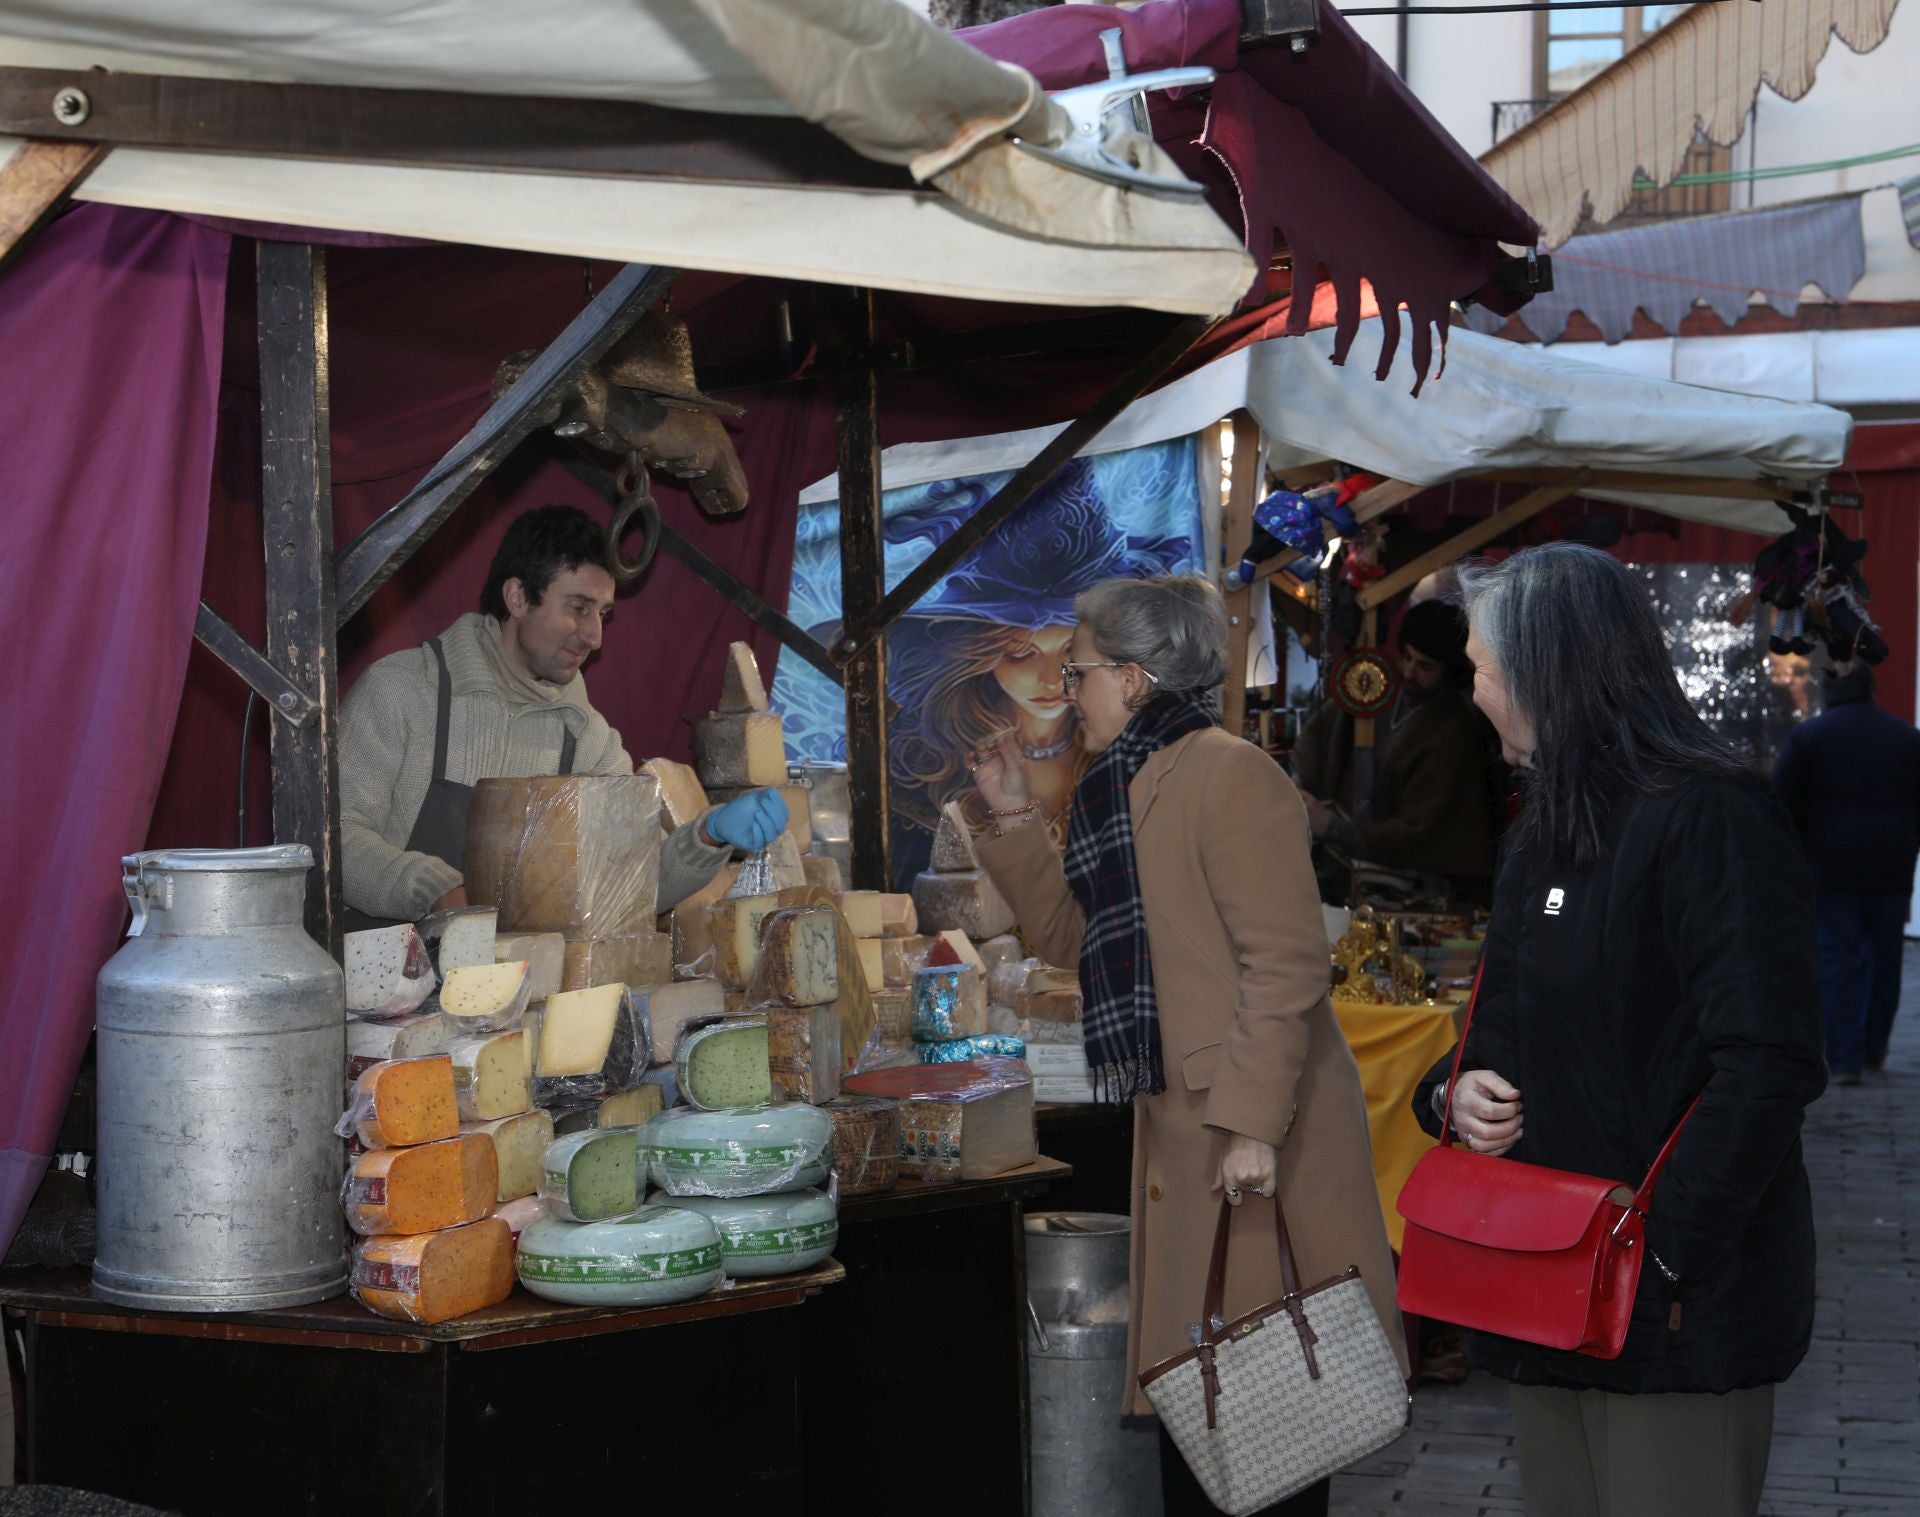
{"x": 627, "y": 1108}
{"x": 665, "y": 1009}
{"x": 734, "y": 929}
{"x": 969, "y": 902}
{"x": 873, "y": 960}
{"x": 799, "y": 963}
{"x": 877, "y": 914}
{"x": 803, "y": 1052}
{"x": 739, "y": 750}
{"x": 404, "y": 1101}
{"x": 423, "y": 1188}
{"x": 637, "y": 958}
{"x": 683, "y": 801}
{"x": 371, "y": 1043}
{"x": 490, "y": 1075}
{"x": 899, "y": 957}
{"x": 953, "y": 842}
{"x": 519, "y": 1144}
{"x": 575, "y": 854}
{"x": 741, "y": 688}
{"x": 546, "y": 957}
{"x": 461, "y": 936}
{"x": 724, "y": 1064}
{"x": 435, "y": 1277}
{"x": 691, "y": 927}
{"x": 866, "y": 1142}
{"x": 388, "y": 970}
{"x": 591, "y": 1034}
{"x": 959, "y": 1121}
{"x": 487, "y": 997}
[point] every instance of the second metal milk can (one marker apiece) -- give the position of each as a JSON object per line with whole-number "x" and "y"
{"x": 221, "y": 1031}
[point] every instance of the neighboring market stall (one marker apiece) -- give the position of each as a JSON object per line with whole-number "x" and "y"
{"x": 1317, "y": 143}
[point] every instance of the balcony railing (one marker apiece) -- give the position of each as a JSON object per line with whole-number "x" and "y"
{"x": 1510, "y": 115}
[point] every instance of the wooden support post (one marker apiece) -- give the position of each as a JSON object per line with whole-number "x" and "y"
{"x": 862, "y": 588}
{"x": 36, "y": 182}
{"x": 1462, "y": 543}
{"x": 1236, "y": 535}
{"x": 296, "y": 502}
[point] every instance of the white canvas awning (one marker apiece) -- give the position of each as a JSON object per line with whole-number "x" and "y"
{"x": 1498, "y": 406}
{"x": 878, "y": 76}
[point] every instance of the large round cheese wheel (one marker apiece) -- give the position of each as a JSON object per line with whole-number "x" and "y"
{"x": 770, "y": 1235}
{"x": 652, "y": 1257}
{"x": 745, "y": 1151}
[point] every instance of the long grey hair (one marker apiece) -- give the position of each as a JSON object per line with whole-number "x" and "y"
{"x": 1583, "y": 660}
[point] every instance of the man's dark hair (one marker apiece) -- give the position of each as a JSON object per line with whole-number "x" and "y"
{"x": 1438, "y": 629}
{"x": 546, "y": 541}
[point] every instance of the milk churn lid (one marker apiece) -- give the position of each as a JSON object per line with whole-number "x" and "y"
{"x": 221, "y": 860}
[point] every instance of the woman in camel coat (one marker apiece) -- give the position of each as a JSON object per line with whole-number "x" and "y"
{"x": 1245, "y": 1083}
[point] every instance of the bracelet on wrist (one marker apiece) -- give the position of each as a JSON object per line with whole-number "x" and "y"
{"x": 1014, "y": 816}
{"x": 1661, "y": 1265}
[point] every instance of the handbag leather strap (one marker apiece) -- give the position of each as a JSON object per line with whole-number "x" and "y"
{"x": 1216, "y": 1294}
{"x": 1642, "y": 1197}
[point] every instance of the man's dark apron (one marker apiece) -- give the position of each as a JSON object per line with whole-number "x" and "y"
{"x": 441, "y": 827}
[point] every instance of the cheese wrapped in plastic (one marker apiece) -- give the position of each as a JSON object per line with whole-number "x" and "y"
{"x": 573, "y": 854}
{"x": 752, "y": 1151}
{"x": 966, "y": 1121}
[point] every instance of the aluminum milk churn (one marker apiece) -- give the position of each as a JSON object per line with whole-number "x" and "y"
{"x": 1088, "y": 1460}
{"x": 221, "y": 1030}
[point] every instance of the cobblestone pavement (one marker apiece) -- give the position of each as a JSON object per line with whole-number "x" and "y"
{"x": 1846, "y": 1426}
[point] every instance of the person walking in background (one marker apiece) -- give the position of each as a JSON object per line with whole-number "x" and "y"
{"x": 1850, "y": 777}
{"x": 1187, "y": 898}
{"x": 1651, "y": 941}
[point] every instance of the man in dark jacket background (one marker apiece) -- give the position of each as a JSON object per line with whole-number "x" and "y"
{"x": 1851, "y": 779}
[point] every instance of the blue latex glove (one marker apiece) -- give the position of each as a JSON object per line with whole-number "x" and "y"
{"x": 749, "y": 821}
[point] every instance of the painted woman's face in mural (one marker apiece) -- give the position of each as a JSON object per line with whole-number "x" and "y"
{"x": 1030, "y": 674}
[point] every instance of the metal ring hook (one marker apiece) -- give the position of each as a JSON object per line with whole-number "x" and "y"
{"x": 636, "y": 499}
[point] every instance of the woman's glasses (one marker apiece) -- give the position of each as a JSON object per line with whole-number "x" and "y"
{"x": 1070, "y": 674}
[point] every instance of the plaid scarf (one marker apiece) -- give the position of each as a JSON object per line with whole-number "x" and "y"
{"x": 1121, "y": 1014}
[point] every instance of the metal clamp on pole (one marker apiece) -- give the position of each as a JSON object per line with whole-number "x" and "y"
{"x": 1090, "y": 110}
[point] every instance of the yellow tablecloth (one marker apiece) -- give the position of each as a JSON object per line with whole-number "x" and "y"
{"x": 1394, "y": 1046}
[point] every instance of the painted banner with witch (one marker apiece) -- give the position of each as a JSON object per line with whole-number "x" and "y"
{"x": 982, "y": 650}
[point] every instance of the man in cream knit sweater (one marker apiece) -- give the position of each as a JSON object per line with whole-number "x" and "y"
{"x": 499, "y": 693}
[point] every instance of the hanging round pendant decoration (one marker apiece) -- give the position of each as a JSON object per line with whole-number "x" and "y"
{"x": 1364, "y": 683}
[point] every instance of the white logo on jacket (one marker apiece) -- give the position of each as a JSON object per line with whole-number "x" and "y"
{"x": 1556, "y": 898}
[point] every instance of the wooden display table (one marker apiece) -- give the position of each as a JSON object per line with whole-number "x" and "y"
{"x": 918, "y": 1362}
{"x": 328, "y": 1408}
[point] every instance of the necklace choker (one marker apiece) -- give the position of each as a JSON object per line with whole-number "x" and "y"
{"x": 1041, "y": 755}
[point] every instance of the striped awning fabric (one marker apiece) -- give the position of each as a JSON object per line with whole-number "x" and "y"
{"x": 1697, "y": 75}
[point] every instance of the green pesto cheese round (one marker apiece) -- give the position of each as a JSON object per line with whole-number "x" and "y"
{"x": 591, "y": 1175}
{"x": 770, "y": 1235}
{"x": 652, "y": 1257}
{"x": 747, "y": 1151}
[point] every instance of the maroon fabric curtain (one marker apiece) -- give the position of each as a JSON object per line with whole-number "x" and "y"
{"x": 111, "y": 325}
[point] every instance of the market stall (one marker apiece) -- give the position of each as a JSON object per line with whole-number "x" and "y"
{"x": 658, "y": 182}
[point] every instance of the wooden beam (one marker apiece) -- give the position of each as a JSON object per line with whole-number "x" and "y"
{"x": 441, "y": 127}
{"x": 296, "y": 505}
{"x": 373, "y": 557}
{"x": 36, "y": 183}
{"x": 1022, "y": 487}
{"x": 1458, "y": 546}
{"x": 223, "y": 640}
{"x": 1236, "y": 536}
{"x": 1382, "y": 498}
{"x": 862, "y": 590}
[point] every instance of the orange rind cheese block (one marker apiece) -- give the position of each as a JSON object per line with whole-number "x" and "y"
{"x": 422, "y": 1188}
{"x": 435, "y": 1277}
{"x": 405, "y": 1101}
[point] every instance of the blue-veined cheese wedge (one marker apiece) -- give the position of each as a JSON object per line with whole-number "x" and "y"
{"x": 747, "y": 1151}
{"x": 652, "y": 1257}
{"x": 770, "y": 1235}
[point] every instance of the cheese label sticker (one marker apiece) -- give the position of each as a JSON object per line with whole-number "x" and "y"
{"x": 778, "y": 1242}
{"x": 370, "y": 1274}
{"x": 627, "y": 1269}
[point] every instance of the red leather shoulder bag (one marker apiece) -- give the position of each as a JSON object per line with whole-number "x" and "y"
{"x": 1543, "y": 1255}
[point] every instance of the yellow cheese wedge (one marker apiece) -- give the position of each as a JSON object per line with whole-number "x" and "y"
{"x": 488, "y": 997}
{"x": 405, "y": 1101}
{"x": 546, "y": 956}
{"x": 519, "y": 1142}
{"x": 740, "y": 750}
{"x": 683, "y": 800}
{"x": 435, "y": 1277}
{"x": 490, "y": 1075}
{"x": 577, "y": 1030}
{"x": 741, "y": 688}
{"x": 873, "y": 961}
{"x": 423, "y": 1188}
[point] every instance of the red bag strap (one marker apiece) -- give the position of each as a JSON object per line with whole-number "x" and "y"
{"x": 1644, "y": 1195}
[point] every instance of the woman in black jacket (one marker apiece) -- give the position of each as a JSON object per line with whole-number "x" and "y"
{"x": 1652, "y": 939}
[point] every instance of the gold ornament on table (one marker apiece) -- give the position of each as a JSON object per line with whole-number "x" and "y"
{"x": 1369, "y": 965}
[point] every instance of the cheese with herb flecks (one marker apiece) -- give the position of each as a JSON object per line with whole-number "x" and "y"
{"x": 487, "y": 997}
{"x": 422, "y": 1188}
{"x": 437, "y": 1276}
{"x": 725, "y": 1063}
{"x": 587, "y": 1176}
{"x": 388, "y": 971}
{"x": 490, "y": 1075}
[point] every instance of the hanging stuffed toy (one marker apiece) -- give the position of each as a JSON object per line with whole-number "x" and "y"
{"x": 1811, "y": 577}
{"x": 1291, "y": 522}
